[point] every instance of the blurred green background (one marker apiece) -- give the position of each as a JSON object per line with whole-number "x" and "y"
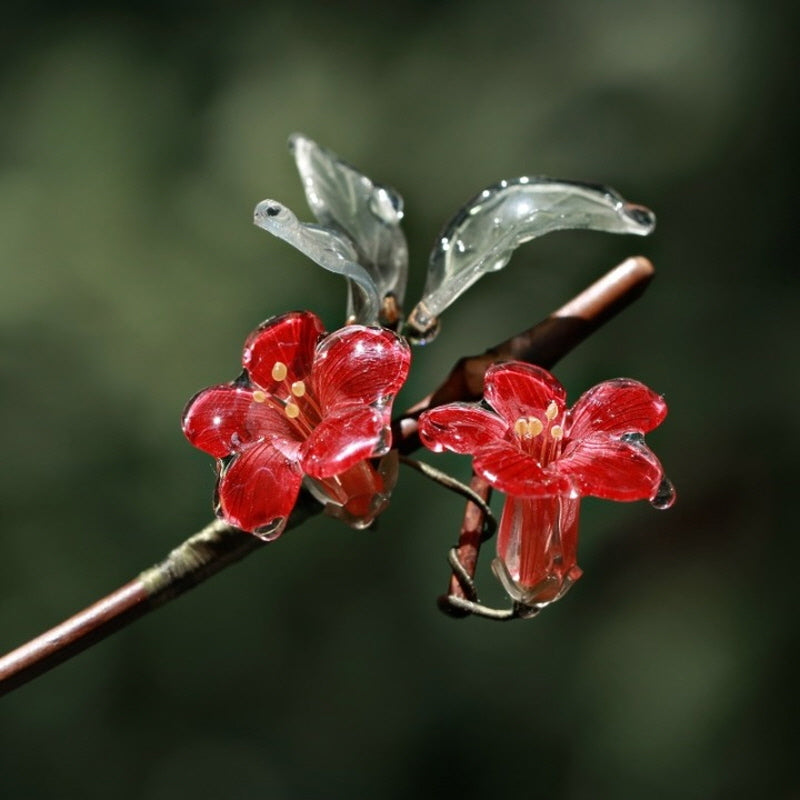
{"x": 135, "y": 142}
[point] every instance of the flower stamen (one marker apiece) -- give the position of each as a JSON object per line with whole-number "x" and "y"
{"x": 535, "y": 426}
{"x": 259, "y": 396}
{"x": 528, "y": 427}
{"x": 292, "y": 410}
{"x": 298, "y": 388}
{"x": 552, "y": 410}
{"x": 279, "y": 371}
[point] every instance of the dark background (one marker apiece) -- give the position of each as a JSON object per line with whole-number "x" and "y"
{"x": 135, "y": 142}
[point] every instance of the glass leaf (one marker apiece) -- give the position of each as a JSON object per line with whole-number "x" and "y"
{"x": 328, "y": 248}
{"x": 345, "y": 200}
{"x": 483, "y": 235}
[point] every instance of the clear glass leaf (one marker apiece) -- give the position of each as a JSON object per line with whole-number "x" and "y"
{"x": 483, "y": 235}
{"x": 368, "y": 214}
{"x": 328, "y": 248}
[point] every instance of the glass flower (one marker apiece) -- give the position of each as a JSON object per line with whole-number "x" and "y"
{"x": 309, "y": 405}
{"x": 545, "y": 457}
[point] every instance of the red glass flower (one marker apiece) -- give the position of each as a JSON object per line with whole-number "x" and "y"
{"x": 545, "y": 457}
{"x": 308, "y": 404}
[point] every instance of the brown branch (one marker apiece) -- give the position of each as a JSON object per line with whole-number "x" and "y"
{"x": 470, "y": 539}
{"x": 218, "y": 544}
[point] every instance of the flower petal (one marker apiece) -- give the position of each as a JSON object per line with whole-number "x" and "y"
{"x": 357, "y": 364}
{"x": 616, "y": 407}
{"x": 257, "y": 490}
{"x": 611, "y": 468}
{"x": 343, "y": 439}
{"x": 289, "y": 339}
{"x": 510, "y": 470}
{"x": 517, "y": 390}
{"x": 460, "y": 428}
{"x": 223, "y": 420}
{"x": 357, "y": 495}
{"x": 538, "y": 541}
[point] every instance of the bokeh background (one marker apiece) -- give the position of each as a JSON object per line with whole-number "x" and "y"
{"x": 134, "y": 143}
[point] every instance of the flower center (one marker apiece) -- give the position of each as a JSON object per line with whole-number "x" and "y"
{"x": 541, "y": 438}
{"x": 306, "y": 415}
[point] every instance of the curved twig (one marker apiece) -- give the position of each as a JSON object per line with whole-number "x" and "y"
{"x": 448, "y": 482}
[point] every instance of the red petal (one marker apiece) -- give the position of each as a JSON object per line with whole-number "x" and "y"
{"x": 538, "y": 541}
{"x": 616, "y": 407}
{"x": 258, "y": 489}
{"x": 359, "y": 365}
{"x": 289, "y": 339}
{"x": 610, "y": 468}
{"x": 517, "y": 390}
{"x": 510, "y": 470}
{"x": 460, "y": 428}
{"x": 343, "y": 439}
{"x": 224, "y": 419}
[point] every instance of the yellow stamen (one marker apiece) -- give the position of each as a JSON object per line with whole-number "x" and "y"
{"x": 259, "y": 396}
{"x": 556, "y": 431}
{"x": 552, "y": 410}
{"x": 279, "y": 371}
{"x": 292, "y": 410}
{"x": 298, "y": 388}
{"x": 535, "y": 426}
{"x": 521, "y": 427}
